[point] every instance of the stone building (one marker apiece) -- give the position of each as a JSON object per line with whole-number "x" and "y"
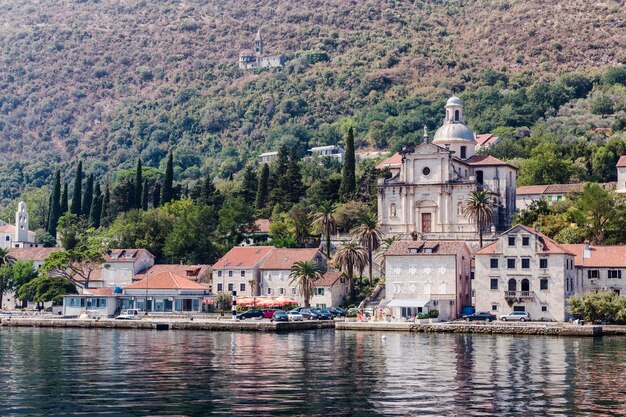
{"x": 256, "y": 58}
{"x": 235, "y": 270}
{"x": 275, "y": 270}
{"x": 600, "y": 267}
{"x": 524, "y": 270}
{"x": 18, "y": 235}
{"x": 431, "y": 181}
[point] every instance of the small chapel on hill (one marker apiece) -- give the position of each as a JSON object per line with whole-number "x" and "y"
{"x": 431, "y": 181}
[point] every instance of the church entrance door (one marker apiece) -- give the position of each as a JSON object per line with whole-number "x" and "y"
{"x": 426, "y": 222}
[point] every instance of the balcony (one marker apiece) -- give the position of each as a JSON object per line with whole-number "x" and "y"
{"x": 520, "y": 295}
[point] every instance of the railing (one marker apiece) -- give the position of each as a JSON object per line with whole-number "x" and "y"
{"x": 442, "y": 297}
{"x": 519, "y": 294}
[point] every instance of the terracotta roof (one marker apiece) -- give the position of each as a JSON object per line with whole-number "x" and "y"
{"x": 530, "y": 189}
{"x": 622, "y": 162}
{"x": 564, "y": 188}
{"x": 486, "y": 139}
{"x": 96, "y": 275}
{"x": 165, "y": 281}
{"x": 394, "y": 161}
{"x": 243, "y": 257}
{"x": 7, "y": 228}
{"x": 99, "y": 291}
{"x": 549, "y": 245}
{"x": 484, "y": 160}
{"x": 32, "y": 254}
{"x": 426, "y": 247}
{"x": 246, "y": 52}
{"x": 329, "y": 279}
{"x": 259, "y": 226}
{"x": 601, "y": 256}
{"x": 285, "y": 258}
{"x": 192, "y": 272}
{"x": 125, "y": 255}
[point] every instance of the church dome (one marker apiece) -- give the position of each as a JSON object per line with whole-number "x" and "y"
{"x": 453, "y": 132}
{"x": 454, "y": 101}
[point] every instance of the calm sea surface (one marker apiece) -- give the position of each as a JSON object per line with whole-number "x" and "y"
{"x": 50, "y": 372}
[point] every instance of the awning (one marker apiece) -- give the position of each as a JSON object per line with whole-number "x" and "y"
{"x": 407, "y": 303}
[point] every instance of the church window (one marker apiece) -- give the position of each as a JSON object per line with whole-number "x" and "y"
{"x": 463, "y": 152}
{"x": 426, "y": 171}
{"x": 8, "y": 238}
{"x": 479, "y": 176}
{"x": 392, "y": 210}
{"x": 457, "y": 115}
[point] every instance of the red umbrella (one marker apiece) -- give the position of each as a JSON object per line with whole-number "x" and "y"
{"x": 245, "y": 301}
{"x": 285, "y": 301}
{"x": 265, "y": 302}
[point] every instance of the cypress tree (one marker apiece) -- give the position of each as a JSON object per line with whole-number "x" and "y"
{"x": 64, "y": 200}
{"x": 261, "y": 191}
{"x": 209, "y": 195}
{"x": 348, "y": 180}
{"x": 88, "y": 197}
{"x": 278, "y": 179}
{"x": 145, "y": 196}
{"x": 292, "y": 183}
{"x": 55, "y": 205}
{"x": 78, "y": 183}
{"x": 104, "y": 212}
{"x": 249, "y": 185}
{"x": 138, "y": 186}
{"x": 156, "y": 195}
{"x": 168, "y": 192}
{"x": 96, "y": 207}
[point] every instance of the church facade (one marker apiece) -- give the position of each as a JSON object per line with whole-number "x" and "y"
{"x": 257, "y": 59}
{"x": 431, "y": 182}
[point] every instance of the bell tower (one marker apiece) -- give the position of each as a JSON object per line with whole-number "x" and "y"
{"x": 21, "y": 223}
{"x": 258, "y": 44}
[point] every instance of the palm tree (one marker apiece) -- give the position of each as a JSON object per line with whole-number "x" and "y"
{"x": 478, "y": 209}
{"x": 350, "y": 256}
{"x": 369, "y": 235}
{"x": 305, "y": 273}
{"x": 5, "y": 257}
{"x": 325, "y": 221}
{"x": 384, "y": 247}
{"x": 252, "y": 284}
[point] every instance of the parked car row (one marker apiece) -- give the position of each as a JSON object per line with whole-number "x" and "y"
{"x": 297, "y": 314}
{"x": 487, "y": 317}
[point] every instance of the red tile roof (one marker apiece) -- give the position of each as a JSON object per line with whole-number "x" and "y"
{"x": 285, "y": 258}
{"x": 622, "y": 162}
{"x": 601, "y": 256}
{"x": 32, "y": 254}
{"x": 259, "y": 226}
{"x": 7, "y": 228}
{"x": 486, "y": 160}
{"x": 192, "y": 272}
{"x": 125, "y": 255}
{"x": 486, "y": 139}
{"x": 394, "y": 161}
{"x": 329, "y": 279}
{"x": 99, "y": 291}
{"x": 165, "y": 281}
{"x": 550, "y": 189}
{"x": 438, "y": 247}
{"x": 243, "y": 257}
{"x": 549, "y": 245}
{"x": 531, "y": 189}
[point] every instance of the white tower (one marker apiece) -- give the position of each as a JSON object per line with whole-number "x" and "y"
{"x": 21, "y": 223}
{"x": 453, "y": 133}
{"x": 258, "y": 44}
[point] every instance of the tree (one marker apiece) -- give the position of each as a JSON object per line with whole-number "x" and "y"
{"x": 235, "y": 218}
{"x": 531, "y": 214}
{"x": 145, "y": 195}
{"x": 88, "y": 197}
{"x": 305, "y": 274}
{"x": 167, "y": 194}
{"x": 278, "y": 180}
{"x": 55, "y": 207}
{"x": 545, "y": 166}
{"x": 224, "y": 300}
{"x": 598, "y": 205}
{"x": 598, "y": 306}
{"x": 292, "y": 181}
{"x": 138, "y": 186}
{"x": 75, "y": 265}
{"x": 156, "y": 195}
{"x": 106, "y": 202}
{"x": 209, "y": 195}
{"x": 348, "y": 181}
{"x": 5, "y": 257}
{"x": 78, "y": 184}
{"x": 601, "y": 104}
{"x": 64, "y": 200}
{"x": 189, "y": 240}
{"x": 325, "y": 221}
{"x": 349, "y": 257}
{"x": 369, "y": 235}
{"x": 249, "y": 185}
{"x": 477, "y": 209}
{"x": 6, "y": 280}
{"x": 252, "y": 284}
{"x": 262, "y": 190}
{"x": 96, "y": 207}
{"x": 47, "y": 288}
{"x": 23, "y": 272}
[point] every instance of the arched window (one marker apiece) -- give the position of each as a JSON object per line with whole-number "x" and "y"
{"x": 512, "y": 285}
{"x": 457, "y": 115}
{"x": 525, "y": 285}
{"x": 392, "y": 210}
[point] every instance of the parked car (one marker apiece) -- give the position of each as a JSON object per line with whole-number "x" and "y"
{"x": 325, "y": 315}
{"x": 279, "y": 315}
{"x": 337, "y": 311}
{"x": 268, "y": 313}
{"x": 482, "y": 315}
{"x": 308, "y": 314}
{"x": 251, "y": 314}
{"x": 516, "y": 315}
{"x": 294, "y": 316}
{"x": 129, "y": 314}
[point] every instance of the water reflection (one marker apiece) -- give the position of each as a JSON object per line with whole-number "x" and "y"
{"x": 320, "y": 373}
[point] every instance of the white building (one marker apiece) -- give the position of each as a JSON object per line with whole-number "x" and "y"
{"x": 330, "y": 151}
{"x": 621, "y": 175}
{"x": 428, "y": 189}
{"x": 331, "y": 290}
{"x": 600, "y": 267}
{"x": 120, "y": 267}
{"x": 268, "y": 157}
{"x": 18, "y": 235}
{"x": 276, "y": 267}
{"x": 427, "y": 275}
{"x": 524, "y": 270}
{"x": 235, "y": 270}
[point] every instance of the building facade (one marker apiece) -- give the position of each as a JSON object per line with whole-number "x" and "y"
{"x": 524, "y": 270}
{"x": 331, "y": 290}
{"x": 600, "y": 267}
{"x": 429, "y": 187}
{"x": 427, "y": 275}
{"x": 240, "y": 266}
{"x": 275, "y": 270}
{"x": 330, "y": 151}
{"x": 120, "y": 267}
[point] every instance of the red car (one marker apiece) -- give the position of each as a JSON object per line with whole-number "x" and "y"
{"x": 268, "y": 313}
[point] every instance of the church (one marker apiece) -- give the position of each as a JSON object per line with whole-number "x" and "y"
{"x": 430, "y": 183}
{"x": 18, "y": 236}
{"x": 257, "y": 58}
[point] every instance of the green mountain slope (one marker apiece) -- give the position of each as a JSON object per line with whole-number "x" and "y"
{"x": 113, "y": 80}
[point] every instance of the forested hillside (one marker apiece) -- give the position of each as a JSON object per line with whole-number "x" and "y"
{"x": 111, "y": 81}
